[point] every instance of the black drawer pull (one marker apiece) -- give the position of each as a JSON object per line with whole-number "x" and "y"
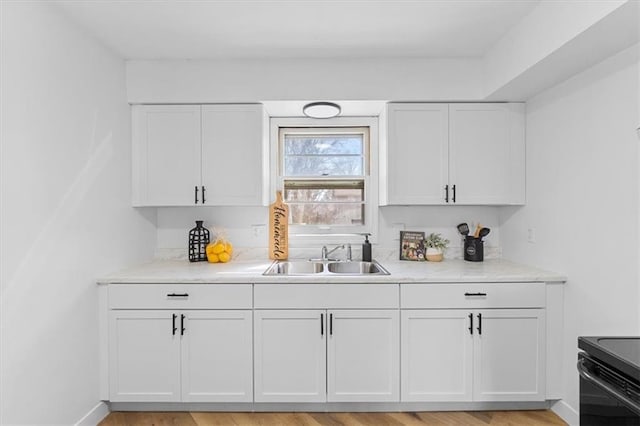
{"x": 182, "y": 317}
{"x": 475, "y": 294}
{"x": 322, "y": 324}
{"x": 479, "y": 323}
{"x": 471, "y": 324}
{"x": 178, "y": 295}
{"x": 196, "y": 188}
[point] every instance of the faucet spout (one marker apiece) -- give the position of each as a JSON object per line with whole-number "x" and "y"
{"x": 326, "y": 253}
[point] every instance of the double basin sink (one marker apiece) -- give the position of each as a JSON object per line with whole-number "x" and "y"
{"x": 327, "y": 267}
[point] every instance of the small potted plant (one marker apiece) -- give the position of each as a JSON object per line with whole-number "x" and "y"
{"x": 436, "y": 246}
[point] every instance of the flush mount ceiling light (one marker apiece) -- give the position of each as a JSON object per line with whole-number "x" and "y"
{"x": 321, "y": 110}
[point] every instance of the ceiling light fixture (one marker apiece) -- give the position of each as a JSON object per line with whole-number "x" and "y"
{"x": 321, "y": 110}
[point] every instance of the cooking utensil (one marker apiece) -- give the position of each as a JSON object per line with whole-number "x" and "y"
{"x": 463, "y": 229}
{"x": 483, "y": 232}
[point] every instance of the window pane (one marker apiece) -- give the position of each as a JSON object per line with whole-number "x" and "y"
{"x": 323, "y": 145}
{"x": 323, "y": 166}
{"x": 327, "y": 214}
{"x": 324, "y": 195}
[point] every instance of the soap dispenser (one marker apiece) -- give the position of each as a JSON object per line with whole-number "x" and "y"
{"x": 366, "y": 249}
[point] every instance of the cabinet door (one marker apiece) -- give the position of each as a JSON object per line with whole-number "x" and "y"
{"x": 144, "y": 356}
{"x": 487, "y": 153}
{"x": 417, "y": 153}
{"x": 509, "y": 355}
{"x": 232, "y": 154}
{"x": 216, "y": 356}
{"x": 290, "y": 356}
{"x": 166, "y": 154}
{"x": 363, "y": 356}
{"x": 437, "y": 355}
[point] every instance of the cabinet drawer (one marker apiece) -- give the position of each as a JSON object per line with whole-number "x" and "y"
{"x": 472, "y": 296}
{"x": 180, "y": 296}
{"x": 320, "y": 296}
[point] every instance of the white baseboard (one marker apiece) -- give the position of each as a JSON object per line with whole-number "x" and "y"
{"x": 566, "y": 412}
{"x": 95, "y": 415}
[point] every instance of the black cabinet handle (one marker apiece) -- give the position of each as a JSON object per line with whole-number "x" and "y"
{"x": 178, "y": 295}
{"x": 174, "y": 325}
{"x": 446, "y": 193}
{"x": 182, "y": 325}
{"x": 475, "y": 294}
{"x": 322, "y": 324}
{"x": 454, "y": 193}
{"x": 330, "y": 324}
{"x": 479, "y": 323}
{"x": 471, "y": 324}
{"x": 203, "y": 200}
{"x": 196, "y": 194}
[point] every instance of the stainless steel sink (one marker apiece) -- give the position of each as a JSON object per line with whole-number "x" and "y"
{"x": 307, "y": 267}
{"x": 356, "y": 268}
{"x": 295, "y": 268}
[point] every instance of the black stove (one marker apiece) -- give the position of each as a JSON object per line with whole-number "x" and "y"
{"x": 609, "y": 370}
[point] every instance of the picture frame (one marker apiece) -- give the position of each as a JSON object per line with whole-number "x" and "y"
{"x": 412, "y": 246}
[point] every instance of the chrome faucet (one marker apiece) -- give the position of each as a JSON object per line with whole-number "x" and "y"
{"x": 326, "y": 253}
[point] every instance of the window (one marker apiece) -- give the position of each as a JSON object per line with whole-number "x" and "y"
{"x": 325, "y": 175}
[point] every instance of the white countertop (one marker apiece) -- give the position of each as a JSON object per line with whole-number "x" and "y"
{"x": 449, "y": 270}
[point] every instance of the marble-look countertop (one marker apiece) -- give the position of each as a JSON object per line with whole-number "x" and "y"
{"x": 250, "y": 271}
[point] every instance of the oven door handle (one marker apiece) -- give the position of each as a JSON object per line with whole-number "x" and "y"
{"x": 585, "y": 374}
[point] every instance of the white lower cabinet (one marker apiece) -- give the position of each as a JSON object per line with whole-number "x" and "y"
{"x": 509, "y": 355}
{"x": 290, "y": 356}
{"x": 437, "y": 354}
{"x": 171, "y": 356}
{"x": 326, "y": 355}
{"x": 216, "y": 357}
{"x": 144, "y": 356}
{"x": 363, "y": 356}
{"x": 480, "y": 355}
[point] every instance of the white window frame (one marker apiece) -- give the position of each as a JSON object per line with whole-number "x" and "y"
{"x": 318, "y": 235}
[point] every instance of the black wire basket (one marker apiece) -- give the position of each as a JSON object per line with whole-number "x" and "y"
{"x": 198, "y": 240}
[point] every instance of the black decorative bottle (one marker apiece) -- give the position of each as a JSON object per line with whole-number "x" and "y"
{"x": 198, "y": 240}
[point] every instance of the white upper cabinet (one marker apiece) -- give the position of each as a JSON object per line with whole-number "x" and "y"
{"x": 232, "y": 154}
{"x": 186, "y": 155}
{"x": 486, "y": 153}
{"x": 418, "y": 153}
{"x": 471, "y": 154}
{"x": 166, "y": 154}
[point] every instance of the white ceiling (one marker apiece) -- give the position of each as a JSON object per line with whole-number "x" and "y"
{"x": 209, "y": 29}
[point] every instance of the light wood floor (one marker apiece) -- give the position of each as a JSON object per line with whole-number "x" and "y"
{"x": 450, "y": 418}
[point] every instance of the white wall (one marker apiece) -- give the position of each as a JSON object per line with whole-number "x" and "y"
{"x": 66, "y": 217}
{"x": 250, "y": 80}
{"x": 582, "y": 200}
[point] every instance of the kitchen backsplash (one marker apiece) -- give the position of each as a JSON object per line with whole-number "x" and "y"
{"x": 246, "y": 228}
{"x": 380, "y": 254}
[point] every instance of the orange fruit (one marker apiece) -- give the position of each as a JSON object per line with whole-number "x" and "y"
{"x": 213, "y": 258}
{"x": 224, "y": 257}
{"x": 218, "y": 248}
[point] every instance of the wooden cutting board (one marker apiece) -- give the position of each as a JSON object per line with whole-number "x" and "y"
{"x": 278, "y": 229}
